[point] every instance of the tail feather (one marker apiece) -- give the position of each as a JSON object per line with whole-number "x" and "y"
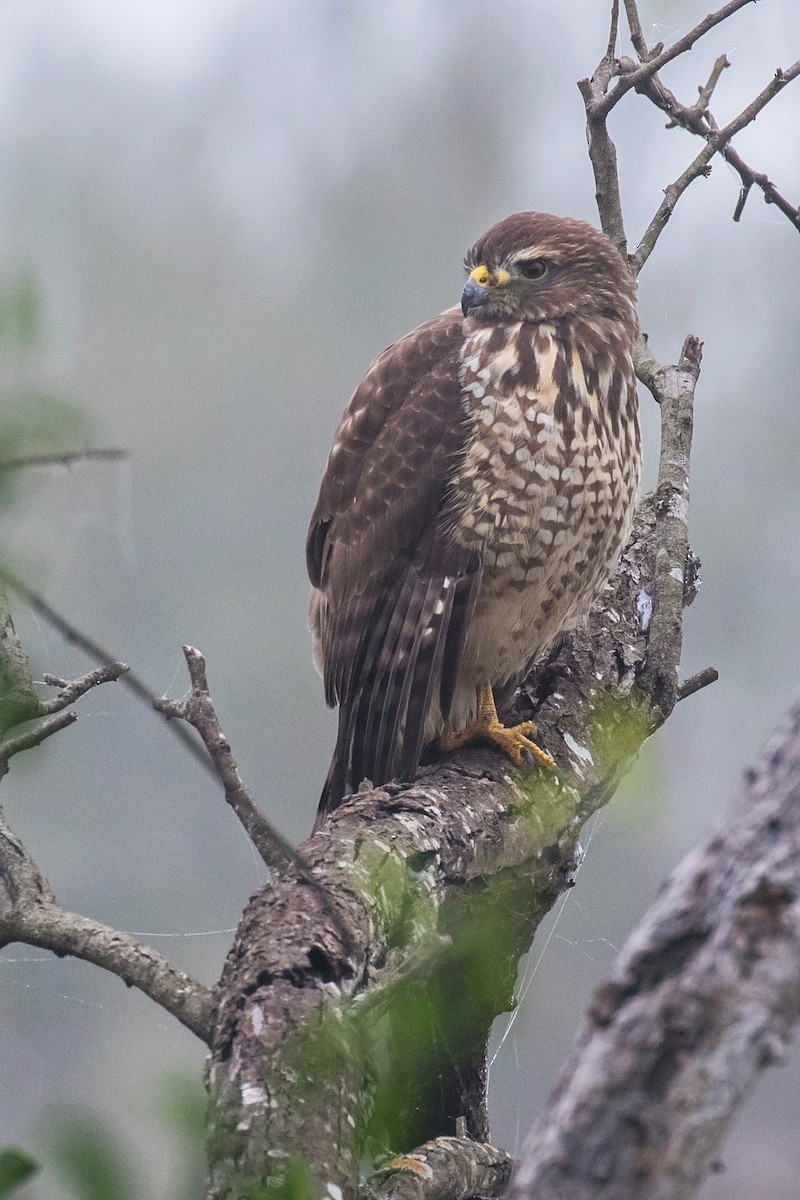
{"x": 413, "y": 644}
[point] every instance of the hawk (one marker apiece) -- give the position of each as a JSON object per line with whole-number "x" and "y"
{"x": 480, "y": 488}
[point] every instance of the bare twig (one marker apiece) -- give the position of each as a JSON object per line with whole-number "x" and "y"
{"x": 602, "y": 151}
{"x": 34, "y": 737}
{"x": 447, "y": 1168}
{"x": 695, "y": 682}
{"x": 66, "y": 459}
{"x": 612, "y": 34}
{"x": 637, "y": 36}
{"x": 634, "y": 78}
{"x": 283, "y": 850}
{"x": 647, "y": 367}
{"x": 93, "y": 648}
{"x": 750, "y": 179}
{"x": 197, "y": 709}
{"x": 696, "y": 119}
{"x": 704, "y": 995}
{"x": 716, "y": 141}
{"x": 744, "y": 192}
{"x": 71, "y": 690}
{"x": 56, "y": 711}
{"x": 599, "y": 101}
{"x": 705, "y": 93}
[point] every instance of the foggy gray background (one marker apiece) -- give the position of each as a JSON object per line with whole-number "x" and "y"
{"x": 230, "y": 207}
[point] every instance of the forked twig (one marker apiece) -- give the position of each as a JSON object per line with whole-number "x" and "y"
{"x": 197, "y": 709}
{"x": 644, "y": 78}
{"x": 648, "y": 69}
{"x": 716, "y": 141}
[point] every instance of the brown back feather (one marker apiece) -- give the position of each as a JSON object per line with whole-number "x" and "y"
{"x": 380, "y": 549}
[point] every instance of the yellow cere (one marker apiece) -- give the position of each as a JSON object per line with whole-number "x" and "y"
{"x": 484, "y": 278}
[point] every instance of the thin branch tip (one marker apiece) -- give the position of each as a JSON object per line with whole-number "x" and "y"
{"x": 196, "y": 665}
{"x": 64, "y": 459}
{"x": 71, "y": 690}
{"x": 655, "y": 61}
{"x": 695, "y": 683}
{"x": 613, "y": 32}
{"x": 197, "y": 710}
{"x": 691, "y": 355}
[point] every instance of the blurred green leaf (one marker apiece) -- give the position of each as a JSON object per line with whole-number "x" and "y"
{"x": 15, "y": 1167}
{"x": 89, "y": 1160}
{"x": 41, "y": 421}
{"x": 183, "y": 1109}
{"x": 25, "y": 306}
{"x": 184, "y": 1106}
{"x": 297, "y": 1182}
{"x": 20, "y": 311}
{"x": 640, "y": 802}
{"x": 38, "y": 423}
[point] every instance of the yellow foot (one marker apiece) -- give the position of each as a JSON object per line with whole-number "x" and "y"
{"x": 516, "y": 741}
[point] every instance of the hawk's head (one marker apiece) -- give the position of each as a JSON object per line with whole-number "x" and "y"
{"x": 536, "y": 267}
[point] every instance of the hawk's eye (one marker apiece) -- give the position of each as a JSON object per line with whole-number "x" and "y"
{"x": 533, "y": 268}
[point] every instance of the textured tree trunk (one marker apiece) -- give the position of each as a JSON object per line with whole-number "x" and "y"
{"x": 704, "y": 995}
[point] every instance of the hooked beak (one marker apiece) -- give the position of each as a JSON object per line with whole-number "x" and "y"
{"x": 473, "y": 296}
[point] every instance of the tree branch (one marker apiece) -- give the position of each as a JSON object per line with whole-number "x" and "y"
{"x": 602, "y": 151}
{"x": 29, "y": 914}
{"x": 34, "y": 737}
{"x": 71, "y": 633}
{"x": 598, "y": 102}
{"x": 637, "y": 37}
{"x": 701, "y": 680}
{"x": 704, "y": 995}
{"x": 673, "y": 388}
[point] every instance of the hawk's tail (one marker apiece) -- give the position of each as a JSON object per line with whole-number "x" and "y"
{"x": 382, "y": 726}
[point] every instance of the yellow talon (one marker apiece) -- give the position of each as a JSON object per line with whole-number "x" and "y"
{"x": 515, "y": 741}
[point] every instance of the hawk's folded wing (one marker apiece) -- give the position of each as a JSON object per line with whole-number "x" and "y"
{"x": 394, "y": 590}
